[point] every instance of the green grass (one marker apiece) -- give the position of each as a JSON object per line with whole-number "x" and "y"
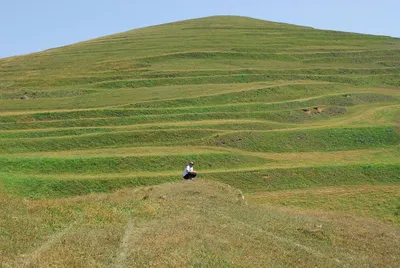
{"x": 323, "y": 139}
{"x": 132, "y": 138}
{"x": 103, "y": 98}
{"x": 284, "y": 116}
{"x": 257, "y": 180}
{"x": 53, "y": 133}
{"x": 380, "y": 202}
{"x": 98, "y": 165}
{"x": 269, "y": 94}
{"x": 36, "y": 188}
{"x": 303, "y": 178}
{"x": 305, "y": 122}
{"x": 344, "y": 100}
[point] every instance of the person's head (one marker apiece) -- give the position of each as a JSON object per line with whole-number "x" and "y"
{"x": 191, "y": 163}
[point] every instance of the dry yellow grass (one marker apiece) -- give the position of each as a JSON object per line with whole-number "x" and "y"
{"x": 196, "y": 223}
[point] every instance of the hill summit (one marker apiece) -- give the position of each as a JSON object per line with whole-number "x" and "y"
{"x": 200, "y": 45}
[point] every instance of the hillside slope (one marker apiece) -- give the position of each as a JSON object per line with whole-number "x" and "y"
{"x": 303, "y": 122}
{"x": 219, "y": 50}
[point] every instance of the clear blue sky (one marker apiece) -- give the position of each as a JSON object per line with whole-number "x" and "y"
{"x": 32, "y": 25}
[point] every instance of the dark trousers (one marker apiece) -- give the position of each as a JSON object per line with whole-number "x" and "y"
{"x": 190, "y": 176}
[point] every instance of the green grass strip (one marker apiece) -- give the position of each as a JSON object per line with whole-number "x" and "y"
{"x": 98, "y": 165}
{"x": 301, "y": 178}
{"x": 323, "y": 139}
{"x": 120, "y": 139}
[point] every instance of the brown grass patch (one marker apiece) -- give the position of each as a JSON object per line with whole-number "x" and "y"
{"x": 201, "y": 223}
{"x": 319, "y": 109}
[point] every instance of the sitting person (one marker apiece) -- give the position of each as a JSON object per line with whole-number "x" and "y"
{"x": 189, "y": 173}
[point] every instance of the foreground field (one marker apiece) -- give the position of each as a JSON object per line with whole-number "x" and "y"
{"x": 196, "y": 224}
{"x": 304, "y": 123}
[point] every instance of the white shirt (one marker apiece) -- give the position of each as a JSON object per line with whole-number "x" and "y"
{"x": 187, "y": 170}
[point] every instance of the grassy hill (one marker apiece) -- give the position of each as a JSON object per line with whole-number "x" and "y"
{"x": 303, "y": 122}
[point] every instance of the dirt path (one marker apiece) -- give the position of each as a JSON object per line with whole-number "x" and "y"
{"x": 32, "y": 257}
{"x": 124, "y": 246}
